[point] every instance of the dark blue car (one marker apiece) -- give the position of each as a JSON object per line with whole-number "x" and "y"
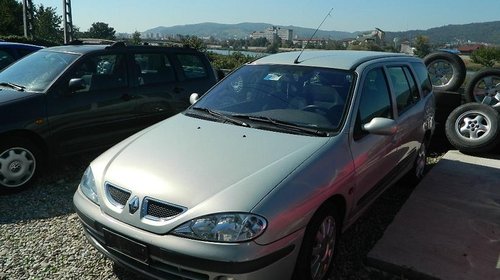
{"x": 10, "y": 52}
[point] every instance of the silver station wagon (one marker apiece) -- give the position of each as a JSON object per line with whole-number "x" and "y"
{"x": 260, "y": 176}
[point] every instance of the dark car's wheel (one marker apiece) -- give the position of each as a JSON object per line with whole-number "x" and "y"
{"x": 315, "y": 260}
{"x": 473, "y": 128}
{"x": 447, "y": 70}
{"x": 19, "y": 164}
{"x": 484, "y": 87}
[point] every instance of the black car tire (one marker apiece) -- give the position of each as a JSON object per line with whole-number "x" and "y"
{"x": 321, "y": 235}
{"x": 447, "y": 70}
{"x": 472, "y": 128}
{"x": 19, "y": 164}
{"x": 485, "y": 83}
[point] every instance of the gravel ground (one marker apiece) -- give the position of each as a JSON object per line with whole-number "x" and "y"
{"x": 41, "y": 237}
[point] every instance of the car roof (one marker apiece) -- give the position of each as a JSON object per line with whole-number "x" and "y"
{"x": 87, "y": 48}
{"x": 339, "y": 59}
{"x": 20, "y": 45}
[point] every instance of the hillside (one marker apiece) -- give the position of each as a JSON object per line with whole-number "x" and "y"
{"x": 240, "y": 30}
{"x": 487, "y": 32}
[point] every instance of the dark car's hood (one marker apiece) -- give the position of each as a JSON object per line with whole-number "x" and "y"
{"x": 8, "y": 95}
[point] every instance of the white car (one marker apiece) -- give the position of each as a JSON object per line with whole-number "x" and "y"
{"x": 259, "y": 177}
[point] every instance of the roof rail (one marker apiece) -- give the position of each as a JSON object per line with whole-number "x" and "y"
{"x": 119, "y": 44}
{"x": 91, "y": 41}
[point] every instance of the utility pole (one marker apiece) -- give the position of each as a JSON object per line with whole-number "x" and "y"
{"x": 28, "y": 18}
{"x": 68, "y": 22}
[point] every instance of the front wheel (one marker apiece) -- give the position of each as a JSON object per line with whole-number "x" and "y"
{"x": 19, "y": 164}
{"x": 473, "y": 128}
{"x": 315, "y": 260}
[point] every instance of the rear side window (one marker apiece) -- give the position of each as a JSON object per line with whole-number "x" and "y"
{"x": 153, "y": 68}
{"x": 193, "y": 66}
{"x": 405, "y": 89}
{"x": 423, "y": 78}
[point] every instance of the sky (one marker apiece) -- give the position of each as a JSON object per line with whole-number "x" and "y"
{"x": 127, "y": 16}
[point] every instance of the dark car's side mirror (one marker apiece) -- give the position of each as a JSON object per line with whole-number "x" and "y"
{"x": 381, "y": 126}
{"x": 77, "y": 84}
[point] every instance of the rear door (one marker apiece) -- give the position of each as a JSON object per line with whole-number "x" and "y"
{"x": 98, "y": 115}
{"x": 164, "y": 80}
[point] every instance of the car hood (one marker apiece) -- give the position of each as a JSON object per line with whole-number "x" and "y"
{"x": 205, "y": 166}
{"x": 9, "y": 95}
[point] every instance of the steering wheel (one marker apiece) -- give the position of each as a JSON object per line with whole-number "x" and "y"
{"x": 315, "y": 108}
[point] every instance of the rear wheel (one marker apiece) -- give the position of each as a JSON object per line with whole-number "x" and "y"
{"x": 19, "y": 164}
{"x": 315, "y": 260}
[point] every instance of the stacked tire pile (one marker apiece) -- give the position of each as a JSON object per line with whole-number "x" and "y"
{"x": 472, "y": 127}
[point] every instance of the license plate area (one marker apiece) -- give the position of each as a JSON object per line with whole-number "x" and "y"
{"x": 126, "y": 246}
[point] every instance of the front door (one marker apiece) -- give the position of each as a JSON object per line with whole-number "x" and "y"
{"x": 96, "y": 116}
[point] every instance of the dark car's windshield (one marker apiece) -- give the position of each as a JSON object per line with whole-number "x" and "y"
{"x": 36, "y": 72}
{"x": 308, "y": 97}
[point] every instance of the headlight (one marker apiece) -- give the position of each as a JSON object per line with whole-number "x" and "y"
{"x": 88, "y": 187}
{"x": 224, "y": 227}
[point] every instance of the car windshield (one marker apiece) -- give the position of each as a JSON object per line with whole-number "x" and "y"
{"x": 298, "y": 96}
{"x": 37, "y": 71}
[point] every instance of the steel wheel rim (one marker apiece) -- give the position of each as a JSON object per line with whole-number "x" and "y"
{"x": 323, "y": 248}
{"x": 441, "y": 72}
{"x": 17, "y": 166}
{"x": 488, "y": 86}
{"x": 473, "y": 126}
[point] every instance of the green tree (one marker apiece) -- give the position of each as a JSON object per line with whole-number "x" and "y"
{"x": 194, "y": 42}
{"x": 11, "y": 18}
{"x": 486, "y": 56}
{"x": 422, "y": 46}
{"x": 136, "y": 38}
{"x": 47, "y": 24}
{"x": 101, "y": 30}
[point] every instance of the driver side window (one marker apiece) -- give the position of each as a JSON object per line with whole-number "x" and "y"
{"x": 102, "y": 72}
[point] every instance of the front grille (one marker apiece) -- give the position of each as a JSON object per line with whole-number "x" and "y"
{"x": 117, "y": 196}
{"x": 161, "y": 210}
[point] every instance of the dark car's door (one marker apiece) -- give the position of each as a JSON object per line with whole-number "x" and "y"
{"x": 164, "y": 80}
{"x": 97, "y": 114}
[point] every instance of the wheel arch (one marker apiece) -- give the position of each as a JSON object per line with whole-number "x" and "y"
{"x": 31, "y": 136}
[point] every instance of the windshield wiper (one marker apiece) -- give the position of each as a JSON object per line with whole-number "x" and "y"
{"x": 12, "y": 85}
{"x": 286, "y": 125}
{"x": 221, "y": 116}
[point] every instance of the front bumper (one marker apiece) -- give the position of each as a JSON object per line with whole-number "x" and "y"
{"x": 273, "y": 261}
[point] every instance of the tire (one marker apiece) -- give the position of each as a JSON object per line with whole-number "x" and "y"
{"x": 321, "y": 236}
{"x": 447, "y": 70}
{"x": 472, "y": 128}
{"x": 484, "y": 87}
{"x": 19, "y": 164}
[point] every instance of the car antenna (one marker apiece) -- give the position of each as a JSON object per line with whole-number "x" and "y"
{"x": 303, "y": 48}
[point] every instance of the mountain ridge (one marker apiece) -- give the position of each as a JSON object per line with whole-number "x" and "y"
{"x": 486, "y": 32}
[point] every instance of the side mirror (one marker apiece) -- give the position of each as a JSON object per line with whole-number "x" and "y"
{"x": 381, "y": 126}
{"x": 77, "y": 84}
{"x": 193, "y": 98}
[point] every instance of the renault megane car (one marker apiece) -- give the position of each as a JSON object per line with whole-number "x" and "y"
{"x": 259, "y": 177}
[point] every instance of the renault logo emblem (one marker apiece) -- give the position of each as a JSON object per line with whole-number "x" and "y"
{"x": 133, "y": 205}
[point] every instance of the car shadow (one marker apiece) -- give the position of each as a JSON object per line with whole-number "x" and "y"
{"x": 50, "y": 195}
